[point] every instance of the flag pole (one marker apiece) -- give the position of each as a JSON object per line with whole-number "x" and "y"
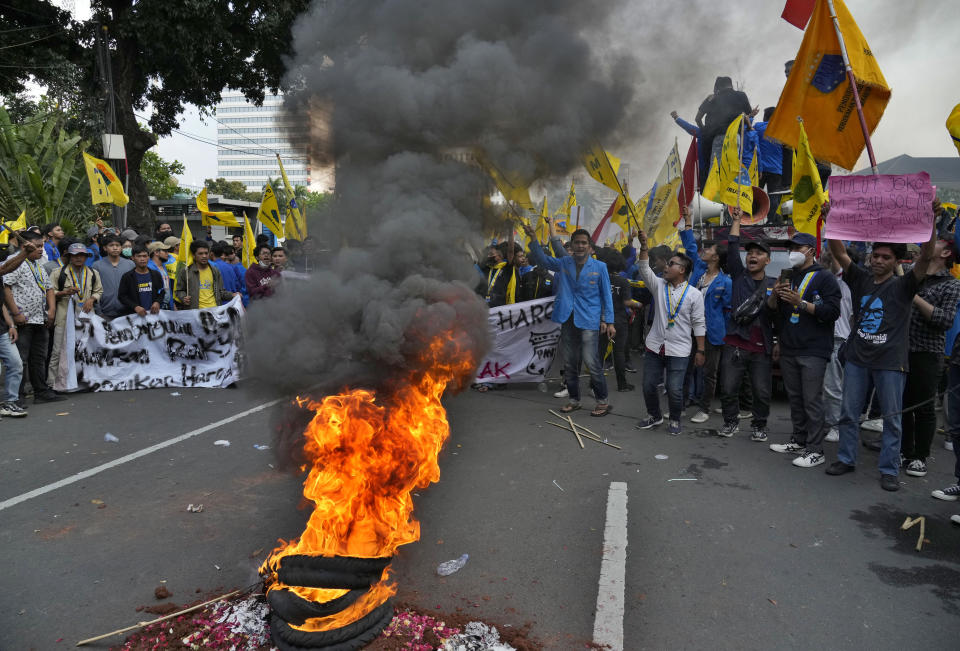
{"x": 853, "y": 87}
{"x": 743, "y": 118}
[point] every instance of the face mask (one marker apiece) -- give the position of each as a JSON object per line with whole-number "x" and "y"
{"x": 126, "y": 252}
{"x": 264, "y": 264}
{"x": 797, "y": 258}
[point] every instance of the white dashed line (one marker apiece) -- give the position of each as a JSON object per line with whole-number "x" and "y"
{"x": 13, "y": 501}
{"x": 608, "y": 622}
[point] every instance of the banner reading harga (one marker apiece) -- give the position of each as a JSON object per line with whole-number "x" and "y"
{"x": 524, "y": 343}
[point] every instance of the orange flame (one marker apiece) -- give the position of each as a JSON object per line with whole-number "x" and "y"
{"x": 368, "y": 453}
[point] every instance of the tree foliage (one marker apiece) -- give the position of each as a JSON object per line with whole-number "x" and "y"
{"x": 163, "y": 54}
{"x": 230, "y": 189}
{"x": 158, "y": 174}
{"x": 42, "y": 172}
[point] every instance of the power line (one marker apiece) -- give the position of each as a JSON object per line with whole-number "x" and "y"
{"x": 214, "y": 117}
{"x": 23, "y": 29}
{"x": 206, "y": 141}
{"x": 42, "y": 38}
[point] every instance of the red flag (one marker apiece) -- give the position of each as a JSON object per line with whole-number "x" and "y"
{"x": 598, "y": 231}
{"x": 798, "y": 12}
{"x": 689, "y": 186}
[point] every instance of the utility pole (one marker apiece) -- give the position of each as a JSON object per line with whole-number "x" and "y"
{"x": 113, "y": 150}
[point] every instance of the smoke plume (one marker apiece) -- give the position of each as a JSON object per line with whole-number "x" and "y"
{"x": 406, "y": 84}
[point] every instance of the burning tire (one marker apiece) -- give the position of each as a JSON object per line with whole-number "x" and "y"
{"x": 296, "y": 610}
{"x": 352, "y": 636}
{"x": 331, "y": 572}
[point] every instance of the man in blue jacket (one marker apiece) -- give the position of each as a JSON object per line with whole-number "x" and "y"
{"x": 584, "y": 308}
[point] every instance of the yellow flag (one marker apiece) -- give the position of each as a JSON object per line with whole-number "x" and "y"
{"x": 105, "y": 187}
{"x": 808, "y": 195}
{"x": 543, "y": 229}
{"x": 727, "y": 167}
{"x": 953, "y": 126}
{"x": 249, "y": 241}
{"x": 661, "y": 211}
{"x": 603, "y": 167}
{"x": 295, "y": 227}
{"x": 818, "y": 90}
{"x": 510, "y": 185}
{"x": 739, "y": 192}
{"x": 209, "y": 218}
{"x": 184, "y": 256}
{"x": 269, "y": 213}
{"x": 17, "y": 224}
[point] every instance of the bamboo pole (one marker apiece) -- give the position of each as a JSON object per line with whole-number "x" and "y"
{"x": 853, "y": 87}
{"x": 143, "y": 624}
{"x": 589, "y": 436}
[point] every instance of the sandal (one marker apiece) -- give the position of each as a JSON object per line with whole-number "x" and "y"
{"x": 482, "y": 388}
{"x": 601, "y": 410}
{"x": 570, "y": 407}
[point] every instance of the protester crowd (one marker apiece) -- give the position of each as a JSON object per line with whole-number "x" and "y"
{"x": 862, "y": 334}
{"x": 118, "y": 274}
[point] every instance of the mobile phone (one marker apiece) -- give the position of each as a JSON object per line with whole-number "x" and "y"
{"x": 784, "y": 275}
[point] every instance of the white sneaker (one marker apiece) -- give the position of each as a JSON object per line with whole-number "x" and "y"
{"x": 955, "y": 519}
{"x": 718, "y": 410}
{"x": 916, "y": 468}
{"x": 874, "y": 425}
{"x": 562, "y": 393}
{"x": 808, "y": 460}
{"x": 790, "y": 447}
{"x": 948, "y": 445}
{"x": 833, "y": 435}
{"x": 743, "y": 415}
{"x": 700, "y": 417}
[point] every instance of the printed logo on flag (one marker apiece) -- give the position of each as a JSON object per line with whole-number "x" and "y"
{"x": 830, "y": 73}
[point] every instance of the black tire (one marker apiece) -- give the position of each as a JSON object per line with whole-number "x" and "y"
{"x": 356, "y": 643}
{"x": 331, "y": 572}
{"x": 296, "y": 610}
{"x": 373, "y": 622}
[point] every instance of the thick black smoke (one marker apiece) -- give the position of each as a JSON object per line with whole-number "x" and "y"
{"x": 405, "y": 84}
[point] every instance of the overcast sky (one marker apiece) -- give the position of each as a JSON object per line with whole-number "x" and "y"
{"x": 681, "y": 53}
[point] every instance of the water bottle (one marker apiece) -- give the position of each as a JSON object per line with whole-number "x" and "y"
{"x": 449, "y": 567}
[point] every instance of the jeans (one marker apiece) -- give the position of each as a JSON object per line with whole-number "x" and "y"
{"x": 619, "y": 351}
{"x": 32, "y": 344}
{"x": 710, "y": 366}
{"x": 12, "y": 366}
{"x": 889, "y": 393}
{"x": 735, "y": 363}
{"x": 803, "y": 377}
{"x": 582, "y": 345}
{"x": 653, "y": 367}
{"x": 833, "y": 387}
{"x": 953, "y": 413}
{"x": 920, "y": 425}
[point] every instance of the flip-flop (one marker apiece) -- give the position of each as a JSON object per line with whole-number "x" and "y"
{"x": 483, "y": 388}
{"x": 569, "y": 407}
{"x": 601, "y": 410}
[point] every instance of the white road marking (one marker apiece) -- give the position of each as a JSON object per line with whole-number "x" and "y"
{"x": 608, "y": 622}
{"x": 13, "y": 501}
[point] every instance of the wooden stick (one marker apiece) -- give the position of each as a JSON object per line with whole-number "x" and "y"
{"x": 142, "y": 624}
{"x": 910, "y": 522}
{"x": 572, "y": 429}
{"x": 595, "y": 440}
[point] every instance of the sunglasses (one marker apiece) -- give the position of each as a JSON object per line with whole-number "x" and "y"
{"x": 674, "y": 263}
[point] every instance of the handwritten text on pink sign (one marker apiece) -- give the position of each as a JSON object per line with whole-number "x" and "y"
{"x": 881, "y": 208}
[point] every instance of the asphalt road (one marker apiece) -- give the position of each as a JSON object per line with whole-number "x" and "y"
{"x": 753, "y": 554}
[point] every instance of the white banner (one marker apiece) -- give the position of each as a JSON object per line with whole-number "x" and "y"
{"x": 524, "y": 343}
{"x": 188, "y": 348}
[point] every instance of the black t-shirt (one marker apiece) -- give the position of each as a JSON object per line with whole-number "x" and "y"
{"x": 144, "y": 289}
{"x": 722, "y": 109}
{"x": 880, "y": 335}
{"x": 622, "y": 291}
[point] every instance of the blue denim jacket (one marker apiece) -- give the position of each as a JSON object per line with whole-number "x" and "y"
{"x": 589, "y": 298}
{"x": 716, "y": 297}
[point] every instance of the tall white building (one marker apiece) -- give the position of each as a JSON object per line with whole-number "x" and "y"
{"x": 249, "y": 137}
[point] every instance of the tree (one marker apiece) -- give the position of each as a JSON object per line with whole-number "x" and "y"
{"x": 42, "y": 172}
{"x": 230, "y": 189}
{"x": 158, "y": 175}
{"x": 163, "y": 54}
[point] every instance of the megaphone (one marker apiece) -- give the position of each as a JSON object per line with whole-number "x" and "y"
{"x": 703, "y": 209}
{"x": 761, "y": 206}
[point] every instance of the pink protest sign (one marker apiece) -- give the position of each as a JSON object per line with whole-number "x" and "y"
{"x": 881, "y": 208}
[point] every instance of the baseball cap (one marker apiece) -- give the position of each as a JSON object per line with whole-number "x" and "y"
{"x": 756, "y": 244}
{"x": 172, "y": 241}
{"x": 129, "y": 234}
{"x": 158, "y": 246}
{"x": 803, "y": 239}
{"x": 77, "y": 248}
{"x": 92, "y": 231}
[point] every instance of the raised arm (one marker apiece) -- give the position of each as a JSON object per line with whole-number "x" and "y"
{"x": 537, "y": 256}
{"x": 734, "y": 264}
{"x": 926, "y": 254}
{"x": 837, "y": 249}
